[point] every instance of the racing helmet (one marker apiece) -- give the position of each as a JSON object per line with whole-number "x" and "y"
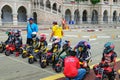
{"x": 42, "y": 37}
{"x": 83, "y": 46}
{"x": 34, "y": 35}
{"x": 72, "y": 53}
{"x": 66, "y": 44}
{"x": 17, "y": 33}
{"x": 109, "y": 46}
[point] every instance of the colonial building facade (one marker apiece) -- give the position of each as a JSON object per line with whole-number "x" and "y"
{"x": 17, "y": 12}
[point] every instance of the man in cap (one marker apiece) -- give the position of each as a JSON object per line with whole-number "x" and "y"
{"x": 31, "y": 27}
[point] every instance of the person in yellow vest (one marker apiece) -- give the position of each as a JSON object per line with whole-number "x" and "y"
{"x": 56, "y": 32}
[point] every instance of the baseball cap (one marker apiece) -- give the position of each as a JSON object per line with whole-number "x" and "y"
{"x": 31, "y": 19}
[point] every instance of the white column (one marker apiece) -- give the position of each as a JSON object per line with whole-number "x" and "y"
{"x": 15, "y": 22}
{"x": 72, "y": 12}
{"x": 80, "y": 13}
{"x": 110, "y": 15}
{"x": 0, "y": 19}
{"x": 39, "y": 3}
{"x": 29, "y": 12}
{"x": 89, "y": 17}
{"x": 100, "y": 15}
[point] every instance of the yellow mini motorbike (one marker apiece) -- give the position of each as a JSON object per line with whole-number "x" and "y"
{"x": 33, "y": 56}
{"x": 26, "y": 51}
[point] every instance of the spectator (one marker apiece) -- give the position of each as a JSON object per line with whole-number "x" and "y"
{"x": 31, "y": 27}
{"x": 72, "y": 68}
{"x": 56, "y": 31}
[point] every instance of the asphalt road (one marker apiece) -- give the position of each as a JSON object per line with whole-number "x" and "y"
{"x": 16, "y": 68}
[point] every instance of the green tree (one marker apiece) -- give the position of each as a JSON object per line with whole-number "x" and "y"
{"x": 94, "y": 1}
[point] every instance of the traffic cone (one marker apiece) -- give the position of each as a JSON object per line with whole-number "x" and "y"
{"x": 113, "y": 36}
{"x": 79, "y": 35}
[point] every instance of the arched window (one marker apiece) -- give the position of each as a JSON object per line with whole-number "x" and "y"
{"x": 7, "y": 14}
{"x": 105, "y": 16}
{"x": 54, "y": 7}
{"x": 76, "y": 16}
{"x": 22, "y": 17}
{"x": 68, "y": 15}
{"x": 94, "y": 17}
{"x": 35, "y": 17}
{"x": 48, "y": 4}
{"x": 115, "y": 16}
{"x": 84, "y": 16}
{"x": 59, "y": 9}
{"x": 41, "y": 3}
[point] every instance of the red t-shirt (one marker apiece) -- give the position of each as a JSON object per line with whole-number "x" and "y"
{"x": 71, "y": 66}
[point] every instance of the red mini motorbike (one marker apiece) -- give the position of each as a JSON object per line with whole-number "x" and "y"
{"x": 10, "y": 48}
{"x": 104, "y": 72}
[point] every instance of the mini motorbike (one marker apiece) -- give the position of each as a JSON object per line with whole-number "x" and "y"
{"x": 26, "y": 51}
{"x": 52, "y": 53}
{"x": 60, "y": 62}
{"x": 102, "y": 72}
{"x": 33, "y": 56}
{"x": 43, "y": 61}
{"x": 10, "y": 48}
{"x": 59, "y": 65}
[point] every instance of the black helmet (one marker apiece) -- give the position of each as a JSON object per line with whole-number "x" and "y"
{"x": 109, "y": 46}
{"x": 17, "y": 33}
{"x": 72, "y": 53}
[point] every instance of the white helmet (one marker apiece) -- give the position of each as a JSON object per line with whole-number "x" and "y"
{"x": 34, "y": 34}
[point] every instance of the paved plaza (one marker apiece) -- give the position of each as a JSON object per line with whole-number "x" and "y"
{"x": 16, "y": 68}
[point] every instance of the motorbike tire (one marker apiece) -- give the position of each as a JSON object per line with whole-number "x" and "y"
{"x": 88, "y": 70}
{"x": 21, "y": 51}
{"x": 24, "y": 55}
{"x": 7, "y": 53}
{"x": 30, "y": 60}
{"x": 58, "y": 69}
{"x": 43, "y": 64}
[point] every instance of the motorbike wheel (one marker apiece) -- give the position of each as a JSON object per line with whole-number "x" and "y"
{"x": 7, "y": 53}
{"x": 88, "y": 70}
{"x": 58, "y": 69}
{"x": 21, "y": 51}
{"x": 24, "y": 55}
{"x": 43, "y": 64}
{"x": 30, "y": 60}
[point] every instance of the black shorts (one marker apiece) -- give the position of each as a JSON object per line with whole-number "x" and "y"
{"x": 29, "y": 41}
